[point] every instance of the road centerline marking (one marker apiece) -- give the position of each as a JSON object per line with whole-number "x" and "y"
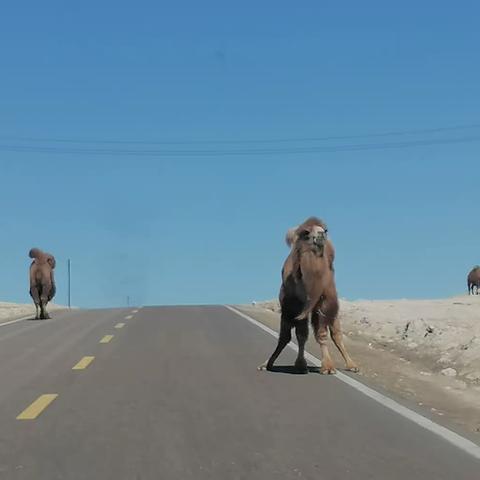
{"x": 128, "y": 317}
{"x": 453, "y": 438}
{"x": 83, "y": 363}
{"x": 37, "y": 407}
{"x": 106, "y": 338}
{"x": 119, "y": 325}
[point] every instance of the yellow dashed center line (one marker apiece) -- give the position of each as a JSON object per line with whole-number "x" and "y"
{"x": 106, "y": 338}
{"x": 128, "y": 317}
{"x": 135, "y": 311}
{"x": 83, "y": 363}
{"x": 119, "y": 325}
{"x": 37, "y": 407}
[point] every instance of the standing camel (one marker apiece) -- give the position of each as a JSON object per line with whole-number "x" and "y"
{"x": 308, "y": 290}
{"x": 473, "y": 280}
{"x": 42, "y": 282}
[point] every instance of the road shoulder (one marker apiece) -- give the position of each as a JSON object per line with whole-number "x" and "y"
{"x": 406, "y": 380}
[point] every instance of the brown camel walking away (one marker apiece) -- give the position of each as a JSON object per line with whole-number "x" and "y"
{"x": 42, "y": 282}
{"x": 473, "y": 280}
{"x": 308, "y": 290}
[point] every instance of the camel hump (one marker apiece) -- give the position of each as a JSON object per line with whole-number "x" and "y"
{"x": 290, "y": 237}
{"x": 51, "y": 260}
{"x": 35, "y": 253}
{"x": 40, "y": 257}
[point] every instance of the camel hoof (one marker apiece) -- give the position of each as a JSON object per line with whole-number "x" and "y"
{"x": 353, "y": 369}
{"x": 328, "y": 371}
{"x": 301, "y": 366}
{"x": 264, "y": 367}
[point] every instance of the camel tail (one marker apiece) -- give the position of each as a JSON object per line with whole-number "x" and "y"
{"x": 305, "y": 313}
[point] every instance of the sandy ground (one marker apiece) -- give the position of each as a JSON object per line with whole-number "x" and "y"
{"x": 12, "y": 311}
{"x": 426, "y": 351}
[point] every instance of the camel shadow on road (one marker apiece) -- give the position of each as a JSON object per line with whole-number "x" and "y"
{"x": 292, "y": 370}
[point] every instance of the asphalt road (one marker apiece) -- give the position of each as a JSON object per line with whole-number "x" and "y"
{"x": 175, "y": 394}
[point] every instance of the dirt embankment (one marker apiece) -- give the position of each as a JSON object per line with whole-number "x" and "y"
{"x": 12, "y": 311}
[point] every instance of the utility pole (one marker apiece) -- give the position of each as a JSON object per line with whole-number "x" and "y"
{"x": 128, "y": 300}
{"x": 69, "y": 285}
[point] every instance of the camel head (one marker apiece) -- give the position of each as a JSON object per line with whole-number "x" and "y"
{"x": 314, "y": 235}
{"x": 313, "y": 232}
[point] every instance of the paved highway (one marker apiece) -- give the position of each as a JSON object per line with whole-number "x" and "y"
{"x": 173, "y": 393}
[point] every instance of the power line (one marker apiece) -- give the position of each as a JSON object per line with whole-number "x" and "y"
{"x": 235, "y": 152}
{"x": 242, "y": 141}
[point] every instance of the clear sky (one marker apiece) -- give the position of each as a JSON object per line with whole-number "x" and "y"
{"x": 165, "y": 147}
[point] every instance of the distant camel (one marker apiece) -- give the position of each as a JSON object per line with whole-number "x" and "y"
{"x": 473, "y": 280}
{"x": 42, "y": 282}
{"x": 308, "y": 290}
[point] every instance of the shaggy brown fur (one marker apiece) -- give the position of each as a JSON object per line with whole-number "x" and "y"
{"x": 473, "y": 280}
{"x": 308, "y": 290}
{"x": 42, "y": 282}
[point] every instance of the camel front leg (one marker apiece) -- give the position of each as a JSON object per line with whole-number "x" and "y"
{"x": 36, "y": 300}
{"x": 320, "y": 329}
{"x": 337, "y": 337}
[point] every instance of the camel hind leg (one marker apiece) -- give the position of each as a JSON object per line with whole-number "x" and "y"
{"x": 35, "y": 294}
{"x": 44, "y": 315}
{"x": 44, "y": 301}
{"x": 301, "y": 332}
{"x": 283, "y": 340}
{"x": 290, "y": 308}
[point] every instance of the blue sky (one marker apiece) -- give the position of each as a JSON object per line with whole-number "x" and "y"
{"x": 92, "y": 93}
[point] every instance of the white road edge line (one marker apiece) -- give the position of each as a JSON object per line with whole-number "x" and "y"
{"x": 4, "y": 324}
{"x": 443, "y": 432}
